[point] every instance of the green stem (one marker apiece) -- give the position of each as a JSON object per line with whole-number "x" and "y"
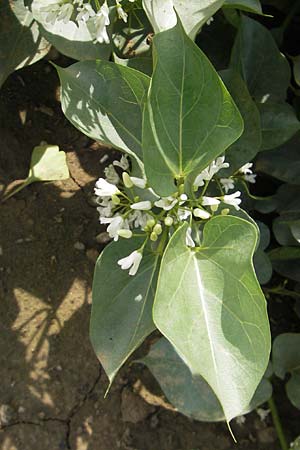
{"x": 17, "y": 189}
{"x": 277, "y": 424}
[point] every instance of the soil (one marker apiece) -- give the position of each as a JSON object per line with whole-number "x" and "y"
{"x": 52, "y": 386}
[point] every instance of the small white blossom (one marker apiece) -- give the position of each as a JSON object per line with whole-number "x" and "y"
{"x": 142, "y": 206}
{"x": 227, "y": 184}
{"x": 251, "y": 178}
{"x": 131, "y": 262}
{"x": 123, "y": 163}
{"x": 121, "y": 13}
{"x": 188, "y": 238}
{"x": 85, "y": 12}
{"x": 201, "y": 213}
{"x": 246, "y": 168}
{"x": 233, "y": 199}
{"x": 139, "y": 219}
{"x": 105, "y": 189}
{"x": 183, "y": 213}
{"x": 101, "y": 21}
{"x": 166, "y": 203}
{"x": 263, "y": 413}
{"x": 111, "y": 175}
{"x": 105, "y": 208}
{"x": 210, "y": 171}
{"x": 209, "y": 201}
{"x": 139, "y": 182}
{"x": 116, "y": 223}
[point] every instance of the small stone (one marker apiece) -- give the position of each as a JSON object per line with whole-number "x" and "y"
{"x": 267, "y": 435}
{"x": 154, "y": 421}
{"x": 6, "y": 415}
{"x": 41, "y": 415}
{"x": 102, "y": 238}
{"x": 79, "y": 246}
{"x": 58, "y": 368}
{"x": 21, "y": 410}
{"x": 92, "y": 254}
{"x": 1, "y": 250}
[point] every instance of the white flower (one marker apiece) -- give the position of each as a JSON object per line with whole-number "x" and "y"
{"x": 233, "y": 199}
{"x": 139, "y": 182}
{"x": 66, "y": 12}
{"x": 227, "y": 184}
{"x": 85, "y": 12}
{"x": 188, "y": 238}
{"x": 263, "y": 413}
{"x": 209, "y": 201}
{"x": 251, "y": 178}
{"x": 246, "y": 168}
{"x": 105, "y": 189}
{"x": 210, "y": 171}
{"x": 105, "y": 208}
{"x": 166, "y": 203}
{"x": 131, "y": 261}
{"x": 116, "y": 223}
{"x": 111, "y": 175}
{"x": 183, "y": 214}
{"x": 201, "y": 213}
{"x": 121, "y": 13}
{"x": 139, "y": 219}
{"x": 142, "y": 206}
{"x": 101, "y": 20}
{"x": 123, "y": 163}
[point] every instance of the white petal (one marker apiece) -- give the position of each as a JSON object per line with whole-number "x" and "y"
{"x": 142, "y": 206}
{"x": 208, "y": 201}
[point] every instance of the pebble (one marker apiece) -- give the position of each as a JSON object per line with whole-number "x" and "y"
{"x": 1, "y": 250}
{"x": 6, "y": 415}
{"x": 79, "y": 246}
{"x": 267, "y": 435}
{"x": 102, "y": 238}
{"x": 92, "y": 254}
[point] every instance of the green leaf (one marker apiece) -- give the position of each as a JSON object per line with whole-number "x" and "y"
{"x": 122, "y": 304}
{"x": 256, "y": 56}
{"x": 185, "y": 91}
{"x": 193, "y": 14}
{"x": 253, "y": 6}
{"x": 209, "y": 305}
{"x": 141, "y": 63}
{"x": 287, "y": 230}
{"x": 286, "y": 360}
{"x": 47, "y": 164}
{"x": 278, "y": 124}
{"x": 105, "y": 101}
{"x": 71, "y": 39}
{"x": 296, "y": 68}
{"x": 296, "y": 444}
{"x": 247, "y": 146}
{"x": 189, "y": 394}
{"x": 263, "y": 266}
{"x": 286, "y": 261}
{"x": 283, "y": 162}
{"x": 21, "y": 43}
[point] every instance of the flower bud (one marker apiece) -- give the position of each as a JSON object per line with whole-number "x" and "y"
{"x": 153, "y": 236}
{"x": 225, "y": 211}
{"x": 115, "y": 199}
{"x": 168, "y": 221}
{"x": 214, "y": 208}
{"x": 150, "y": 223}
{"x": 157, "y": 229}
{"x": 201, "y": 213}
{"x": 127, "y": 234}
{"x": 127, "y": 180}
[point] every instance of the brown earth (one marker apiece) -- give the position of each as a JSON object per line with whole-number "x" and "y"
{"x": 52, "y": 387}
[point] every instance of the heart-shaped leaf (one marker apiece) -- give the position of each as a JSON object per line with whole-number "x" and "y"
{"x": 20, "y": 40}
{"x": 209, "y": 305}
{"x": 105, "y": 101}
{"x": 185, "y": 91}
{"x": 122, "y": 305}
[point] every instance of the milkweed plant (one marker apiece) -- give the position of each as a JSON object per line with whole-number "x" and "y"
{"x": 186, "y": 258}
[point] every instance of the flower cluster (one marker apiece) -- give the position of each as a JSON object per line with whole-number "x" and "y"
{"x": 129, "y": 207}
{"x": 82, "y": 11}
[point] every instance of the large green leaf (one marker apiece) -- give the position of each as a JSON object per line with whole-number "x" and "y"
{"x": 105, "y": 101}
{"x": 191, "y": 395}
{"x": 209, "y": 305}
{"x": 283, "y": 162}
{"x": 257, "y": 57}
{"x": 193, "y": 14}
{"x": 286, "y": 360}
{"x": 278, "y": 124}
{"x": 122, "y": 304}
{"x": 21, "y": 43}
{"x": 286, "y": 261}
{"x": 71, "y": 39}
{"x": 189, "y": 117}
{"x": 247, "y": 146}
{"x": 253, "y": 6}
